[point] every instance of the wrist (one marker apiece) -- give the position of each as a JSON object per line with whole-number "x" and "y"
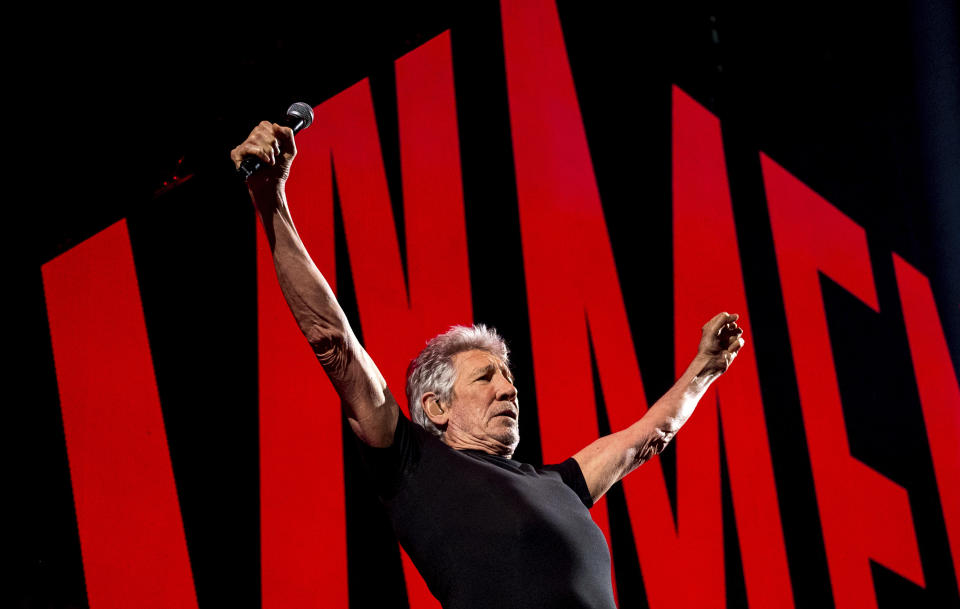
{"x": 258, "y": 185}
{"x": 267, "y": 195}
{"x": 707, "y": 367}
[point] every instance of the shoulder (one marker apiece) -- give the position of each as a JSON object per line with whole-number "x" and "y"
{"x": 572, "y": 476}
{"x": 392, "y": 467}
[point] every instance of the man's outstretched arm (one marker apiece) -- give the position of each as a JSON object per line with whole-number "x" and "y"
{"x": 607, "y": 460}
{"x": 370, "y": 408}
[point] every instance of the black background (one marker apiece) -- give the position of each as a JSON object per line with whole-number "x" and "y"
{"x": 858, "y": 102}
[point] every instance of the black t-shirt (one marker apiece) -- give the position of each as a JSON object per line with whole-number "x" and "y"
{"x": 486, "y": 531}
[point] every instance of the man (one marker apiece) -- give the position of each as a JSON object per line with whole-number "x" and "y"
{"x": 484, "y": 530}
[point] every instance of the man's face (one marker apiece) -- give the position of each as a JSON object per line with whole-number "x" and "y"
{"x": 484, "y": 412}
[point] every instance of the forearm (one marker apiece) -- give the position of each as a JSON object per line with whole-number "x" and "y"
{"x": 610, "y": 458}
{"x": 670, "y": 412}
{"x": 369, "y": 405}
{"x": 309, "y": 296}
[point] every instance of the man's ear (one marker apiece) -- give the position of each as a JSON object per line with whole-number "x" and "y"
{"x": 437, "y": 412}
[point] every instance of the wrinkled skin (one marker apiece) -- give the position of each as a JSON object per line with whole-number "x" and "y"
{"x": 483, "y": 413}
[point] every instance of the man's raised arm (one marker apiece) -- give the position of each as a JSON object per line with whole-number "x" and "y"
{"x": 370, "y": 408}
{"x": 607, "y": 460}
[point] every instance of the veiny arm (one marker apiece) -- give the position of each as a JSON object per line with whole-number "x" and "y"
{"x": 370, "y": 408}
{"x": 607, "y": 460}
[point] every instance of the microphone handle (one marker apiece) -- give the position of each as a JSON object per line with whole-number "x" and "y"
{"x": 250, "y": 163}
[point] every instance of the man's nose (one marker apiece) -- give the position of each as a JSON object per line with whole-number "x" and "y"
{"x": 507, "y": 391}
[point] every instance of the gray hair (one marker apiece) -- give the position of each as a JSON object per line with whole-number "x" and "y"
{"x": 433, "y": 371}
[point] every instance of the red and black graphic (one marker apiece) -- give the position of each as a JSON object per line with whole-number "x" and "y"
{"x": 551, "y": 170}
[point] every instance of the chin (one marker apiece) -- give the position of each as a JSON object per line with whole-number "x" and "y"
{"x": 505, "y": 433}
{"x": 509, "y": 438}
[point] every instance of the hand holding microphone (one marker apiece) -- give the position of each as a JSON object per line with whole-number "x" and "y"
{"x": 265, "y": 156}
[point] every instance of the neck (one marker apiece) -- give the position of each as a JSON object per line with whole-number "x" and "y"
{"x": 491, "y": 447}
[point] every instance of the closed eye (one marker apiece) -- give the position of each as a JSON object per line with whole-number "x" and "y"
{"x": 485, "y": 374}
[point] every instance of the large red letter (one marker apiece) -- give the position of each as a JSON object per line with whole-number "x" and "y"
{"x": 572, "y": 284}
{"x": 302, "y": 514}
{"x": 707, "y": 279}
{"x": 864, "y": 515}
{"x": 131, "y": 535}
{"x": 570, "y": 272}
{"x": 939, "y": 393}
{"x": 396, "y": 320}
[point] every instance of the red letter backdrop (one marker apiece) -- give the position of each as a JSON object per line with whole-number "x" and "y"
{"x": 865, "y": 516}
{"x": 301, "y": 452}
{"x": 134, "y": 552}
{"x": 412, "y": 285}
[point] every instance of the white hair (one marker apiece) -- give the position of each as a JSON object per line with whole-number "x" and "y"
{"x": 433, "y": 371}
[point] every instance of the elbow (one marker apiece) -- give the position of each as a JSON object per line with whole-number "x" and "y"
{"x": 660, "y": 440}
{"x": 669, "y": 427}
{"x": 648, "y": 444}
{"x": 655, "y": 444}
{"x": 662, "y": 436}
{"x": 329, "y": 346}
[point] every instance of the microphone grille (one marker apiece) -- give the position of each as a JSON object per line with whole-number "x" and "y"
{"x": 301, "y": 111}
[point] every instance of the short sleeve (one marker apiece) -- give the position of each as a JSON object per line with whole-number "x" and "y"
{"x": 572, "y": 476}
{"x": 390, "y": 467}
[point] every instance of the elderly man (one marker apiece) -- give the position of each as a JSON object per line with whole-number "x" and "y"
{"x": 483, "y": 529}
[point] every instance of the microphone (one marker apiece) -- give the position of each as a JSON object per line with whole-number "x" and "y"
{"x": 299, "y": 116}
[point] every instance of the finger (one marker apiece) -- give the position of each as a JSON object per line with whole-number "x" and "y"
{"x": 735, "y": 345}
{"x": 285, "y": 140}
{"x": 272, "y": 138}
{"x": 722, "y": 323}
{"x": 716, "y": 323}
{"x": 249, "y": 148}
{"x": 267, "y": 144}
{"x": 262, "y": 133}
{"x": 236, "y": 157}
{"x": 729, "y": 322}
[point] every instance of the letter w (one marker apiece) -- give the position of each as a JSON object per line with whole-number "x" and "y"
{"x": 303, "y": 520}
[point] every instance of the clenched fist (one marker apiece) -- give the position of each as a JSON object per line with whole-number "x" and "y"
{"x": 720, "y": 341}
{"x": 274, "y": 145}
